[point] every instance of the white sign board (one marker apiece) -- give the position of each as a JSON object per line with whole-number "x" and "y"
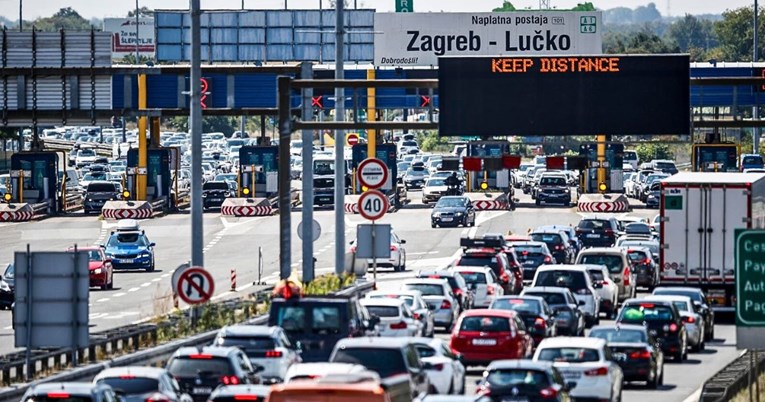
{"x": 418, "y": 39}
{"x": 124, "y": 36}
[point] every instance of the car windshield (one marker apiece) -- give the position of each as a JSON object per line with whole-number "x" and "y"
{"x": 101, "y": 188}
{"x": 640, "y": 228}
{"x": 752, "y": 160}
{"x": 416, "y": 171}
{"x": 695, "y": 296}
{"x": 132, "y": 238}
{"x": 132, "y": 385}
{"x": 323, "y": 167}
{"x": 403, "y": 166}
{"x": 94, "y": 176}
{"x": 436, "y": 182}
{"x": 248, "y": 343}
{"x": 485, "y": 324}
{"x": 569, "y": 355}
{"x": 209, "y": 367}
{"x": 9, "y": 272}
{"x": 385, "y": 362}
{"x": 596, "y": 224}
{"x": 664, "y": 165}
{"x": 94, "y": 255}
{"x": 517, "y": 377}
{"x": 636, "y": 256}
{"x": 550, "y": 298}
{"x": 450, "y": 203}
{"x": 426, "y": 289}
{"x": 553, "y": 181}
{"x": 522, "y": 306}
{"x": 652, "y": 246}
{"x": 573, "y": 280}
{"x": 87, "y": 152}
{"x": 383, "y": 311}
{"x": 472, "y": 261}
{"x": 473, "y": 277}
{"x": 637, "y": 313}
{"x": 409, "y": 144}
{"x": 550, "y": 238}
{"x": 215, "y": 185}
{"x": 614, "y": 263}
{"x": 681, "y": 305}
{"x": 619, "y": 335}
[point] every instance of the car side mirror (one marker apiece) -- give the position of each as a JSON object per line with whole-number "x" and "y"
{"x": 152, "y": 244}
{"x": 257, "y": 368}
{"x": 403, "y": 241}
{"x": 570, "y": 385}
{"x": 102, "y": 245}
{"x": 581, "y": 303}
{"x": 427, "y": 366}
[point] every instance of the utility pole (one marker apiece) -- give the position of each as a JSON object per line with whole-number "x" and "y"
{"x": 137, "y": 58}
{"x": 21, "y": 20}
{"x": 195, "y": 126}
{"x": 755, "y": 59}
{"x": 339, "y": 141}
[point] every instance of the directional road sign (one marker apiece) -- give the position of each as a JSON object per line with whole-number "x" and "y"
{"x": 750, "y": 295}
{"x": 373, "y": 205}
{"x": 372, "y": 173}
{"x": 195, "y": 286}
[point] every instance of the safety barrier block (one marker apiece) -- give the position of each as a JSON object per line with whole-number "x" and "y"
{"x": 127, "y": 210}
{"x": 16, "y": 212}
{"x": 246, "y": 207}
{"x": 489, "y": 201}
{"x": 603, "y": 203}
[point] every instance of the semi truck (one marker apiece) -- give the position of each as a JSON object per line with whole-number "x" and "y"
{"x": 700, "y": 213}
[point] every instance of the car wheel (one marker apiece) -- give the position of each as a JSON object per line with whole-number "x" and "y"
{"x": 661, "y": 376}
{"x": 151, "y": 267}
{"x": 105, "y": 286}
{"x": 111, "y": 284}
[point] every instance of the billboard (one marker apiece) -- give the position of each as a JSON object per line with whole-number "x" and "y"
{"x": 564, "y": 95}
{"x": 124, "y": 36}
{"x": 418, "y": 39}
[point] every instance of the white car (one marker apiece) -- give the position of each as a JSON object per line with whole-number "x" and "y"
{"x": 577, "y": 280}
{"x": 397, "y": 258}
{"x": 440, "y": 298}
{"x": 416, "y": 303}
{"x": 448, "y": 374}
{"x": 433, "y": 189}
{"x": 311, "y": 371}
{"x": 265, "y": 346}
{"x": 656, "y": 224}
{"x": 396, "y": 319}
{"x": 484, "y": 284}
{"x": 85, "y": 156}
{"x": 585, "y": 361}
{"x": 693, "y": 321}
{"x": 607, "y": 290}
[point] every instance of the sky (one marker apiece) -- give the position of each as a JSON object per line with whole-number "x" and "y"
{"x": 110, "y": 8}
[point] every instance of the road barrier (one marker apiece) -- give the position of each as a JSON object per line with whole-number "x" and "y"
{"x": 732, "y": 379}
{"x": 127, "y": 210}
{"x": 246, "y": 207}
{"x": 489, "y": 201}
{"x": 72, "y": 202}
{"x": 128, "y": 338}
{"x": 603, "y": 203}
{"x": 233, "y": 280}
{"x": 64, "y": 145}
{"x": 16, "y": 212}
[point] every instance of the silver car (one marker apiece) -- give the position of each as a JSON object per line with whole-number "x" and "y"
{"x": 440, "y": 299}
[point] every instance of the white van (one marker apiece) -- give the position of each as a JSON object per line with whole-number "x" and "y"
{"x": 631, "y": 158}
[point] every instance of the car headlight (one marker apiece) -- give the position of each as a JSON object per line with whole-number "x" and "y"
{"x": 436, "y": 214}
{"x": 4, "y": 286}
{"x": 98, "y": 271}
{"x": 204, "y": 195}
{"x": 145, "y": 255}
{"x": 458, "y": 214}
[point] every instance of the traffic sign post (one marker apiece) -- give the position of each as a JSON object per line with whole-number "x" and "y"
{"x": 750, "y": 291}
{"x": 351, "y": 139}
{"x": 404, "y": 6}
{"x": 195, "y": 286}
{"x": 372, "y": 173}
{"x": 373, "y": 205}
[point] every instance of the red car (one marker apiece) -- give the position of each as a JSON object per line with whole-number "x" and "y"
{"x": 482, "y": 336}
{"x": 101, "y": 270}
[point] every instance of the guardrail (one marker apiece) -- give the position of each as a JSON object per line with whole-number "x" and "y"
{"x": 72, "y": 202}
{"x": 64, "y": 145}
{"x": 131, "y": 337}
{"x": 732, "y": 379}
{"x": 158, "y": 206}
{"x": 39, "y": 209}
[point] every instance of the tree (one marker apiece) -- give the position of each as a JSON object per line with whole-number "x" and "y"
{"x": 66, "y": 18}
{"x": 649, "y": 152}
{"x": 584, "y": 7}
{"x": 142, "y": 12}
{"x": 735, "y": 34}
{"x": 642, "y": 42}
{"x": 647, "y": 13}
{"x": 130, "y": 59}
{"x": 506, "y": 7}
{"x": 690, "y": 32}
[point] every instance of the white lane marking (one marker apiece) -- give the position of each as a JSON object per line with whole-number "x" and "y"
{"x": 143, "y": 285}
{"x": 166, "y": 275}
{"x": 105, "y": 299}
{"x": 156, "y": 279}
{"x": 119, "y": 295}
{"x": 133, "y": 289}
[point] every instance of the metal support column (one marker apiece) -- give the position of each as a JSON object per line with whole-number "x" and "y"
{"x": 601, "y": 139}
{"x": 195, "y": 127}
{"x": 154, "y": 141}
{"x": 756, "y": 58}
{"x": 371, "y": 116}
{"x": 339, "y": 141}
{"x": 285, "y": 129}
{"x": 141, "y": 179}
{"x": 307, "y": 137}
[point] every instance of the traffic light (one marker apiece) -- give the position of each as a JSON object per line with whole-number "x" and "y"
{"x": 484, "y": 185}
{"x": 7, "y": 197}
{"x": 126, "y": 194}
{"x": 602, "y": 187}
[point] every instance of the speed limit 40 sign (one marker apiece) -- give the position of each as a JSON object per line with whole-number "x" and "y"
{"x": 373, "y": 205}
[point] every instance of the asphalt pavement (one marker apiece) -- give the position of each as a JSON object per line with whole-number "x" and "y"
{"x": 233, "y": 243}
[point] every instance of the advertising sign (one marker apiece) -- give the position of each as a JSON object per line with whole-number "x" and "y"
{"x": 418, "y": 39}
{"x": 124, "y": 36}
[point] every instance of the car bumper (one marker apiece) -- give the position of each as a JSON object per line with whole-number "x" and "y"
{"x": 485, "y": 358}
{"x": 414, "y": 184}
{"x": 431, "y": 197}
{"x": 135, "y": 263}
{"x": 636, "y": 370}
{"x": 455, "y": 221}
{"x": 554, "y": 198}
{"x": 443, "y": 317}
{"x": 213, "y": 202}
{"x": 93, "y": 205}
{"x": 323, "y": 199}
{"x": 98, "y": 279}
{"x": 591, "y": 387}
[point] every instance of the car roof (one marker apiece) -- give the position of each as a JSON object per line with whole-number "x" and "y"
{"x": 673, "y": 298}
{"x": 524, "y": 297}
{"x": 562, "y": 267}
{"x": 138, "y": 371}
{"x": 218, "y": 351}
{"x": 527, "y": 243}
{"x": 554, "y": 227}
{"x": 639, "y": 301}
{"x": 545, "y": 289}
{"x": 546, "y": 231}
{"x": 489, "y": 312}
{"x": 394, "y": 292}
{"x": 390, "y": 302}
{"x": 440, "y": 272}
{"x": 632, "y": 327}
{"x": 598, "y": 217}
{"x": 519, "y": 364}
{"x": 572, "y": 341}
{"x": 80, "y": 388}
{"x": 428, "y": 281}
{"x": 383, "y": 342}
{"x": 248, "y": 330}
{"x": 467, "y": 268}
{"x": 679, "y": 289}
{"x": 325, "y": 368}
{"x": 602, "y": 250}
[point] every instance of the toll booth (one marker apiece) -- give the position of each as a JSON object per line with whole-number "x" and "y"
{"x": 383, "y": 152}
{"x": 613, "y": 164}
{"x": 715, "y": 157}
{"x": 258, "y": 171}
{"x": 158, "y": 177}
{"x": 493, "y": 173}
{"x": 34, "y": 179}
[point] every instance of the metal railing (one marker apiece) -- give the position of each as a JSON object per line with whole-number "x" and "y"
{"x": 732, "y": 379}
{"x": 73, "y": 201}
{"x": 64, "y": 145}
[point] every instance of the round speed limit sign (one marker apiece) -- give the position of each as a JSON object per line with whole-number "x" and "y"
{"x": 373, "y": 205}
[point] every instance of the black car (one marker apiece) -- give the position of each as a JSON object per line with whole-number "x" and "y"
{"x": 663, "y": 321}
{"x": 598, "y": 231}
{"x": 523, "y": 380}
{"x": 415, "y": 177}
{"x": 645, "y": 267}
{"x": 568, "y": 230}
{"x": 531, "y": 254}
{"x": 453, "y": 211}
{"x": 700, "y": 304}
{"x": 653, "y": 195}
{"x": 7, "y": 284}
{"x": 317, "y": 323}
{"x": 456, "y": 282}
{"x": 97, "y": 193}
{"x": 558, "y": 244}
{"x": 635, "y": 351}
{"x": 569, "y": 317}
{"x": 215, "y": 192}
{"x": 535, "y": 313}
{"x": 237, "y": 393}
{"x": 200, "y": 370}
{"x": 553, "y": 189}
{"x": 69, "y": 392}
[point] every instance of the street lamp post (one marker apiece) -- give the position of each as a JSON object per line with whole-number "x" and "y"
{"x": 755, "y": 59}
{"x": 136, "y": 32}
{"x": 21, "y": 20}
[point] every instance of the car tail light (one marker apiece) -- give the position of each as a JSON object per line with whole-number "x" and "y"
{"x": 490, "y": 290}
{"x": 400, "y": 325}
{"x": 229, "y": 380}
{"x": 559, "y": 247}
{"x": 416, "y": 316}
{"x": 458, "y": 292}
{"x": 393, "y": 248}
{"x": 58, "y": 395}
{"x": 609, "y": 231}
{"x": 483, "y": 390}
{"x": 127, "y": 377}
{"x": 597, "y": 372}
{"x": 548, "y": 393}
{"x": 157, "y": 397}
{"x": 274, "y": 353}
{"x": 671, "y": 327}
{"x": 647, "y": 261}
{"x": 540, "y": 323}
{"x": 438, "y": 367}
{"x": 200, "y": 356}
{"x": 626, "y": 276}
{"x": 353, "y": 249}
{"x": 689, "y": 320}
{"x": 446, "y": 305}
{"x": 246, "y": 398}
{"x": 548, "y": 259}
{"x": 643, "y": 354}
{"x": 504, "y": 277}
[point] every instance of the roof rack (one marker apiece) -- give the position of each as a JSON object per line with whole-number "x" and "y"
{"x": 489, "y": 242}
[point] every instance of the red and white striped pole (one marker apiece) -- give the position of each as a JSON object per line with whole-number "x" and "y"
{"x": 233, "y": 280}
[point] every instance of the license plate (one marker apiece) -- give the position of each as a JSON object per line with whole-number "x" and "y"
{"x": 215, "y": 199}
{"x": 205, "y": 390}
{"x": 126, "y": 260}
{"x": 593, "y": 236}
{"x": 484, "y": 342}
{"x": 620, "y": 357}
{"x": 570, "y": 374}
{"x": 446, "y": 219}
{"x": 515, "y": 399}
{"x": 324, "y": 199}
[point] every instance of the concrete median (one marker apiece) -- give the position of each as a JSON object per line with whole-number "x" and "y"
{"x": 246, "y": 207}
{"x": 603, "y": 203}
{"x": 18, "y": 212}
{"x": 127, "y": 210}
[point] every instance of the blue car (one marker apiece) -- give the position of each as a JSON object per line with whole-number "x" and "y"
{"x": 130, "y": 249}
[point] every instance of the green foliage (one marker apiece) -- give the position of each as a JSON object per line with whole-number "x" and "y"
{"x": 735, "y": 34}
{"x": 326, "y": 284}
{"x": 642, "y": 42}
{"x": 506, "y": 7}
{"x": 130, "y": 59}
{"x": 430, "y": 141}
{"x": 588, "y": 6}
{"x": 66, "y": 18}
{"x": 7, "y": 133}
{"x": 142, "y": 12}
{"x": 649, "y": 152}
